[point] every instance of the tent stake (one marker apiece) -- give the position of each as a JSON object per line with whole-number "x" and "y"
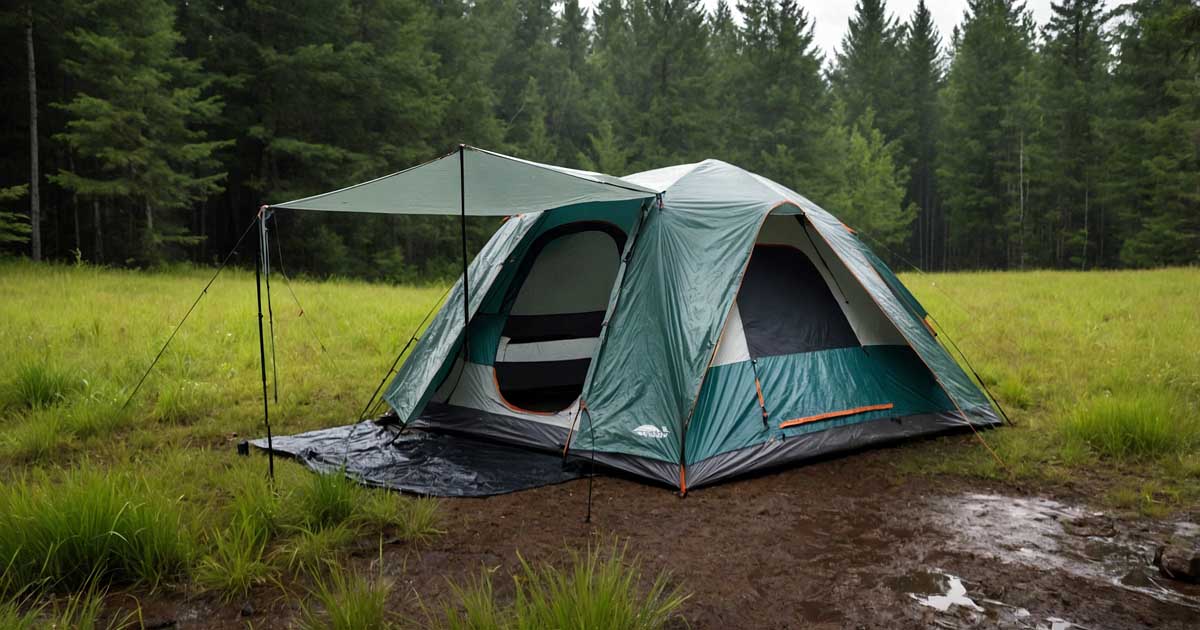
{"x": 262, "y": 350}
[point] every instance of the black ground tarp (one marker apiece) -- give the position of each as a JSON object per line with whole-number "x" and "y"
{"x": 427, "y": 463}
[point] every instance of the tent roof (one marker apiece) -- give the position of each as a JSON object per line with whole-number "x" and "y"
{"x": 496, "y": 185}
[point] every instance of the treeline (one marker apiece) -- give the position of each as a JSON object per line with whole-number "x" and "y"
{"x": 160, "y": 125}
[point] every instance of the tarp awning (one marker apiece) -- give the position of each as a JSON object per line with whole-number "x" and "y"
{"x": 496, "y": 185}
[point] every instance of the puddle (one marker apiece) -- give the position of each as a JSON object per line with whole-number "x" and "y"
{"x": 948, "y": 594}
{"x": 953, "y": 593}
{"x": 1050, "y": 535}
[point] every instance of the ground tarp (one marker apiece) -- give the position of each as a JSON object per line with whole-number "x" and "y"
{"x": 422, "y": 462}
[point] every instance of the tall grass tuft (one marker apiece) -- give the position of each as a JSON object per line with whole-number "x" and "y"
{"x": 1141, "y": 426}
{"x": 15, "y": 616}
{"x": 347, "y": 601}
{"x": 329, "y": 499}
{"x": 90, "y": 526}
{"x": 40, "y": 384}
{"x": 37, "y": 438}
{"x": 312, "y": 552}
{"x": 600, "y": 589}
{"x": 412, "y": 519}
{"x": 84, "y": 610}
{"x": 237, "y": 562}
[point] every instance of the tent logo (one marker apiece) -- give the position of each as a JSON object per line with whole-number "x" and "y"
{"x": 651, "y": 431}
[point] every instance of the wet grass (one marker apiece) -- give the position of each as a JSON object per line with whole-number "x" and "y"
{"x": 1100, "y": 371}
{"x": 600, "y": 588}
{"x": 88, "y": 527}
{"x": 343, "y": 600}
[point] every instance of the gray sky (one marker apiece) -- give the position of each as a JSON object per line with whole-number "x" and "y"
{"x": 831, "y": 16}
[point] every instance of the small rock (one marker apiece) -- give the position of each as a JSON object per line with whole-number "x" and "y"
{"x": 1178, "y": 562}
{"x": 1091, "y": 526}
{"x": 248, "y": 610}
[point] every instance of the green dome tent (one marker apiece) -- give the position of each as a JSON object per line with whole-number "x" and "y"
{"x": 686, "y": 324}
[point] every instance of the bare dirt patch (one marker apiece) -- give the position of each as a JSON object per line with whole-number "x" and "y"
{"x": 844, "y": 543}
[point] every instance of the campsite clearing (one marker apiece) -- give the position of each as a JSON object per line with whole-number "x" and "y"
{"x": 1099, "y": 370}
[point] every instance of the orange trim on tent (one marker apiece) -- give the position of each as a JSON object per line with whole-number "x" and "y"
{"x": 682, "y": 479}
{"x": 925, "y": 320}
{"x": 512, "y": 407}
{"x": 834, "y": 414}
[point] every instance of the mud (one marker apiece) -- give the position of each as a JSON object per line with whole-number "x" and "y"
{"x": 845, "y": 543}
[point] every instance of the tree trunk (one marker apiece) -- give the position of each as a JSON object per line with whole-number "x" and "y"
{"x": 35, "y": 210}
{"x": 97, "y": 233}
{"x": 75, "y": 209}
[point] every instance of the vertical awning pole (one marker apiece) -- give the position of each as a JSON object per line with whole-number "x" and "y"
{"x": 462, "y": 201}
{"x": 262, "y": 351}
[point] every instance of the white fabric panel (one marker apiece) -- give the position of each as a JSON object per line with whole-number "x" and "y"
{"x": 443, "y": 391}
{"x": 572, "y": 274}
{"x": 660, "y": 178}
{"x": 496, "y": 185}
{"x": 560, "y": 350}
{"x": 732, "y": 348}
{"x": 477, "y": 390}
{"x": 870, "y": 325}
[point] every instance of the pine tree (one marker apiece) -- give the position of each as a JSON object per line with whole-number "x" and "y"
{"x": 980, "y": 166}
{"x": 867, "y": 72}
{"x": 134, "y": 123}
{"x": 1073, "y": 65}
{"x": 1152, "y": 143}
{"x": 780, "y": 122}
{"x": 920, "y": 83}
{"x": 859, "y": 182}
{"x": 14, "y": 226}
{"x": 529, "y": 131}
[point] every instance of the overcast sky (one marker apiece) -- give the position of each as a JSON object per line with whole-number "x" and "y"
{"x": 831, "y": 16}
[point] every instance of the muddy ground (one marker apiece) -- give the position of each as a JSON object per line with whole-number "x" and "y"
{"x": 842, "y": 543}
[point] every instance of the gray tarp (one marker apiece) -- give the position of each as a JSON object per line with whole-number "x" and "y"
{"x": 420, "y": 462}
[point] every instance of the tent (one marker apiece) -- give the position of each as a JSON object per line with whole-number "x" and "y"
{"x": 685, "y": 325}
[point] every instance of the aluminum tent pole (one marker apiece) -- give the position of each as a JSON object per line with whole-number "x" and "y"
{"x": 462, "y": 201}
{"x": 262, "y": 350}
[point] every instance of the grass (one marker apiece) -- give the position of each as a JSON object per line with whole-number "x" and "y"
{"x": 40, "y": 384}
{"x": 1099, "y": 370}
{"x": 599, "y": 589}
{"x": 348, "y": 601}
{"x": 238, "y": 560}
{"x": 1148, "y": 425}
{"x": 90, "y": 526}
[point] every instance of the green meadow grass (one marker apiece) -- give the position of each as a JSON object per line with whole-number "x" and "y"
{"x": 1100, "y": 371}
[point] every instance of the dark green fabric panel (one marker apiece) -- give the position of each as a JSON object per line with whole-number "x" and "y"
{"x": 485, "y": 337}
{"x": 800, "y": 385}
{"x": 678, "y": 290}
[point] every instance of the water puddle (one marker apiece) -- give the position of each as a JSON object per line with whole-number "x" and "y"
{"x": 1050, "y": 535}
{"x": 948, "y": 594}
{"x": 950, "y": 591}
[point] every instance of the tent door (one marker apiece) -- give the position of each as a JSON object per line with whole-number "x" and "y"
{"x": 555, "y": 313}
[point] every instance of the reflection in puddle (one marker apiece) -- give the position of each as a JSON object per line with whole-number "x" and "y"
{"x": 1052, "y": 536}
{"x": 955, "y": 594}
